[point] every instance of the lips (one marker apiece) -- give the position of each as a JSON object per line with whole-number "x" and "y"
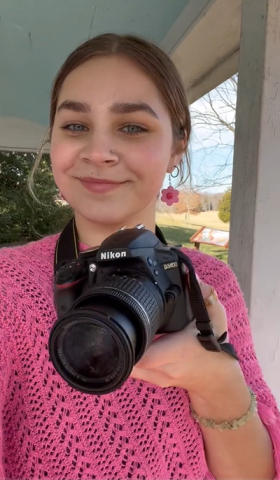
{"x": 100, "y": 185}
{"x": 99, "y": 180}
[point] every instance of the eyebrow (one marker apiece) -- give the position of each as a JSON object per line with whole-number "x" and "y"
{"x": 79, "y": 107}
{"x": 125, "y": 107}
{"x": 118, "y": 107}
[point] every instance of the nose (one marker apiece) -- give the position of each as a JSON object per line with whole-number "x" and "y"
{"x": 99, "y": 150}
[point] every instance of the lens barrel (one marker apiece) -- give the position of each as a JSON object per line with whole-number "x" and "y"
{"x": 95, "y": 345}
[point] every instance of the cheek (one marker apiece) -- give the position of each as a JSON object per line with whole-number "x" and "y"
{"x": 62, "y": 156}
{"x": 152, "y": 162}
{"x": 61, "y": 162}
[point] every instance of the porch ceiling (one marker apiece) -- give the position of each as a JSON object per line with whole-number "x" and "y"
{"x": 37, "y": 35}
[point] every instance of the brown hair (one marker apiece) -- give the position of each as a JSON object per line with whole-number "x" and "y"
{"x": 157, "y": 65}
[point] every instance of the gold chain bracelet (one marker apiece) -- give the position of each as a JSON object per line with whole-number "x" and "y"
{"x": 233, "y": 424}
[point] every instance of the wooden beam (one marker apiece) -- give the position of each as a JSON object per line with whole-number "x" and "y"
{"x": 254, "y": 251}
{"x": 204, "y": 44}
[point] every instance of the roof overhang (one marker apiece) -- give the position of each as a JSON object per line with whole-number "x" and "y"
{"x": 204, "y": 44}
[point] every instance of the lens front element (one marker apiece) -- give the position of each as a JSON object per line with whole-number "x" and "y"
{"x": 91, "y": 352}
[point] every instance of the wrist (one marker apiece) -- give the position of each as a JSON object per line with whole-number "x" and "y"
{"x": 226, "y": 399}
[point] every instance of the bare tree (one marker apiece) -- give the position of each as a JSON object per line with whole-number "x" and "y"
{"x": 213, "y": 119}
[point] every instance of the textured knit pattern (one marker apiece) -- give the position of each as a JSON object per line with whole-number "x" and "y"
{"x": 48, "y": 430}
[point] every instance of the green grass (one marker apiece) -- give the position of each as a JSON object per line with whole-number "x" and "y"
{"x": 181, "y": 235}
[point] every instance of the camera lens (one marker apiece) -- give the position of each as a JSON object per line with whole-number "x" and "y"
{"x": 95, "y": 346}
{"x": 99, "y": 353}
{"x": 92, "y": 351}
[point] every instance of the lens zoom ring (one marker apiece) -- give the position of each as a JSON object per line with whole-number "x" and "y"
{"x": 138, "y": 297}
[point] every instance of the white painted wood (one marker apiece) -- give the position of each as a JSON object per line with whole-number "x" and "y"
{"x": 255, "y": 220}
{"x": 187, "y": 20}
{"x": 204, "y": 43}
{"x": 218, "y": 75}
{"x": 20, "y": 135}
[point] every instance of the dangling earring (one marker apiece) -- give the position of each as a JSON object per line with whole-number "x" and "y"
{"x": 170, "y": 195}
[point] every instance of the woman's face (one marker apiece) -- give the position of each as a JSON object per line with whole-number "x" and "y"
{"x": 111, "y": 142}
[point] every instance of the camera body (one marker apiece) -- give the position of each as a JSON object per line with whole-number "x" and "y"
{"x": 133, "y": 253}
{"x": 111, "y": 302}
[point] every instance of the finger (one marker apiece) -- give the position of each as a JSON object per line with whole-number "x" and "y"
{"x": 218, "y": 317}
{"x": 205, "y": 289}
{"x": 166, "y": 349}
{"x": 216, "y": 311}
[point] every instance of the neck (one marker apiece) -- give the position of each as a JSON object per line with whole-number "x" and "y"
{"x": 92, "y": 234}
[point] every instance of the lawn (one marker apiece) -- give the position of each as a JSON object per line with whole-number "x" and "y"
{"x": 176, "y": 231}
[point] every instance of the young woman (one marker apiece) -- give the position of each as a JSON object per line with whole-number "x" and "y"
{"x": 119, "y": 122}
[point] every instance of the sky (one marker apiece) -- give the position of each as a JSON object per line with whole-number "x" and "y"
{"x": 211, "y": 145}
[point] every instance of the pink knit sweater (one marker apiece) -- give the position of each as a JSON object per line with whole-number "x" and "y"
{"x": 48, "y": 430}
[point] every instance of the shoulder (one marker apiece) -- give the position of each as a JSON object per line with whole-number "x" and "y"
{"x": 43, "y": 248}
{"x": 26, "y": 266}
{"x": 22, "y": 256}
{"x": 26, "y": 284}
{"x": 207, "y": 267}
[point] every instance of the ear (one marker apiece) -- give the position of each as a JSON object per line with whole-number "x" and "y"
{"x": 179, "y": 150}
{"x": 173, "y": 162}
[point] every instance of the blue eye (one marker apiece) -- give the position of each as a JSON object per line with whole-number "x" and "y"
{"x": 133, "y": 129}
{"x": 75, "y": 127}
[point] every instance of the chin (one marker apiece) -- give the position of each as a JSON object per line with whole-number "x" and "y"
{"x": 108, "y": 217}
{"x": 118, "y": 214}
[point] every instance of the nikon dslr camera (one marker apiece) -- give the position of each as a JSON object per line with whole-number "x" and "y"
{"x": 111, "y": 302}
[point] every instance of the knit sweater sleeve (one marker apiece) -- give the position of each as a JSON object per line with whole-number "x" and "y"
{"x": 8, "y": 299}
{"x": 4, "y": 376}
{"x": 224, "y": 281}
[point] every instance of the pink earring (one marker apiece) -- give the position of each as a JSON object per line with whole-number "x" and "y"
{"x": 170, "y": 195}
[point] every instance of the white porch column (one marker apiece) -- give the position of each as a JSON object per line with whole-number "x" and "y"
{"x": 255, "y": 219}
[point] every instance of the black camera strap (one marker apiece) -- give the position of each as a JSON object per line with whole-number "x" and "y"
{"x": 203, "y": 324}
{"x": 67, "y": 245}
{"x": 67, "y": 249}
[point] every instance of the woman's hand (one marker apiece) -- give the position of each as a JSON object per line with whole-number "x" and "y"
{"x": 179, "y": 360}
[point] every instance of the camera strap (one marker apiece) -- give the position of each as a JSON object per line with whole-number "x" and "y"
{"x": 67, "y": 249}
{"x": 203, "y": 324}
{"x": 67, "y": 245}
